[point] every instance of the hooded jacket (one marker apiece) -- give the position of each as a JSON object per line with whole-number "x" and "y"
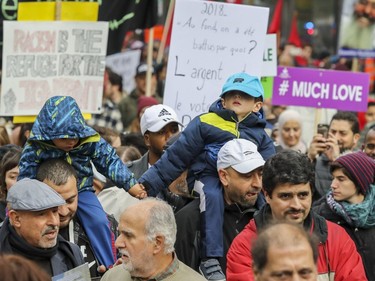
{"x": 61, "y": 118}
{"x": 338, "y": 257}
{"x": 198, "y": 146}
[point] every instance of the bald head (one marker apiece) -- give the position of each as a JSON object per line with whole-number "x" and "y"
{"x": 297, "y": 248}
{"x": 156, "y": 217}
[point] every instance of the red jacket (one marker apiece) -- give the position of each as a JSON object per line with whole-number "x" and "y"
{"x": 338, "y": 256}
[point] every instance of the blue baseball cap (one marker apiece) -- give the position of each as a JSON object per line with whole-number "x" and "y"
{"x": 245, "y": 83}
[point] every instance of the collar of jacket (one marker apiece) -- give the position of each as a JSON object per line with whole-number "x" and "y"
{"x": 314, "y": 223}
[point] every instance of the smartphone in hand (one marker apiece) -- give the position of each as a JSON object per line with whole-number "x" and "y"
{"x": 323, "y": 130}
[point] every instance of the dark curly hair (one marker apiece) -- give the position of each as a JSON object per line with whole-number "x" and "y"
{"x": 288, "y": 166}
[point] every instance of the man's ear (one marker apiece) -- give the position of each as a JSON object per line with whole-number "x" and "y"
{"x": 159, "y": 244}
{"x": 146, "y": 137}
{"x": 14, "y": 218}
{"x": 257, "y": 106}
{"x": 356, "y": 138}
{"x": 267, "y": 196}
{"x": 223, "y": 176}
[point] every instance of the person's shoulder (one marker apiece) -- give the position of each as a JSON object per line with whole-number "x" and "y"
{"x": 74, "y": 248}
{"x": 244, "y": 238}
{"x": 117, "y": 272}
{"x": 190, "y": 207}
{"x": 184, "y": 272}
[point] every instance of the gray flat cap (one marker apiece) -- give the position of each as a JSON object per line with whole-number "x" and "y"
{"x": 33, "y": 195}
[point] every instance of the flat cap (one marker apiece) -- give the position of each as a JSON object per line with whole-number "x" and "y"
{"x": 33, "y": 195}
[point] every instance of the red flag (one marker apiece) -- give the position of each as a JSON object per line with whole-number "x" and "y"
{"x": 294, "y": 35}
{"x": 276, "y": 19}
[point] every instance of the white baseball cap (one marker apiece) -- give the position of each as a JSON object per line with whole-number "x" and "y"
{"x": 240, "y": 154}
{"x": 156, "y": 117}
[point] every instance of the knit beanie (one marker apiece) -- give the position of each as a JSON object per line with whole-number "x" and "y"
{"x": 360, "y": 167}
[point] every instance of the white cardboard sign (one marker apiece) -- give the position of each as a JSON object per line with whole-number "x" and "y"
{"x": 269, "y": 66}
{"x": 42, "y": 59}
{"x": 125, "y": 65}
{"x": 211, "y": 41}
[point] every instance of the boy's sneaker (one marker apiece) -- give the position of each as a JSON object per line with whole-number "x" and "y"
{"x": 211, "y": 270}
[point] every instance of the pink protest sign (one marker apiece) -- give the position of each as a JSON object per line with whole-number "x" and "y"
{"x": 320, "y": 88}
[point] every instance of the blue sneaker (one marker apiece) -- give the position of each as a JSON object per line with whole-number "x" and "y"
{"x": 211, "y": 270}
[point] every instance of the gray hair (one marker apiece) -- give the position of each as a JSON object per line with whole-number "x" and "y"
{"x": 161, "y": 221}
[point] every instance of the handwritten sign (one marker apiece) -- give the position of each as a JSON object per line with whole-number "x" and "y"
{"x": 320, "y": 88}
{"x": 211, "y": 41}
{"x": 357, "y": 29}
{"x": 45, "y": 59}
{"x": 125, "y": 64}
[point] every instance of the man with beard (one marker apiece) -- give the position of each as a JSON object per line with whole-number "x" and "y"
{"x": 62, "y": 177}
{"x": 240, "y": 171}
{"x": 31, "y": 230}
{"x": 368, "y": 145}
{"x": 146, "y": 244}
{"x": 343, "y": 135}
{"x": 357, "y": 31}
{"x": 288, "y": 185}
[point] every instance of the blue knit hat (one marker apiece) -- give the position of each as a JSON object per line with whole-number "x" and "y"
{"x": 245, "y": 83}
{"x": 360, "y": 167}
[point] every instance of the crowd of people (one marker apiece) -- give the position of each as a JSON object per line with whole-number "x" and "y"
{"x": 132, "y": 194}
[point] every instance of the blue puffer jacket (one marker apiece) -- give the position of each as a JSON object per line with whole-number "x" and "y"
{"x": 61, "y": 117}
{"x": 200, "y": 142}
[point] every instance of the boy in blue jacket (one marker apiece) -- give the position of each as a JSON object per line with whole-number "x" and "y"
{"x": 60, "y": 131}
{"x": 235, "y": 115}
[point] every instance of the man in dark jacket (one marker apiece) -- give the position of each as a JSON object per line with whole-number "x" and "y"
{"x": 62, "y": 177}
{"x": 241, "y": 178}
{"x": 32, "y": 228}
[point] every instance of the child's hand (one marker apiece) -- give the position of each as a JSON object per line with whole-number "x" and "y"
{"x": 138, "y": 191}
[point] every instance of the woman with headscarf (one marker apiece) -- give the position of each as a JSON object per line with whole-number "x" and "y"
{"x": 290, "y": 131}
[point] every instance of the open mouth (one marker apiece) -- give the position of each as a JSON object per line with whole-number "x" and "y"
{"x": 51, "y": 234}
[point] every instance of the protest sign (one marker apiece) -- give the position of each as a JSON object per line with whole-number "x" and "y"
{"x": 319, "y": 88}
{"x": 45, "y": 59}
{"x": 357, "y": 29}
{"x": 269, "y": 65}
{"x": 211, "y": 41}
{"x": 125, "y": 65}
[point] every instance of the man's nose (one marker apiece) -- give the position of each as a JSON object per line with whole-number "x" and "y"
{"x": 257, "y": 181}
{"x": 120, "y": 243}
{"x": 295, "y": 202}
{"x": 54, "y": 219}
{"x": 63, "y": 210}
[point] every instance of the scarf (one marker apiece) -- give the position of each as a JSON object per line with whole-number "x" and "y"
{"x": 356, "y": 215}
{"x": 30, "y": 252}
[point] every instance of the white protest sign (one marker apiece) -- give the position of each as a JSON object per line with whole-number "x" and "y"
{"x": 211, "y": 41}
{"x": 125, "y": 65}
{"x": 269, "y": 66}
{"x": 45, "y": 59}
